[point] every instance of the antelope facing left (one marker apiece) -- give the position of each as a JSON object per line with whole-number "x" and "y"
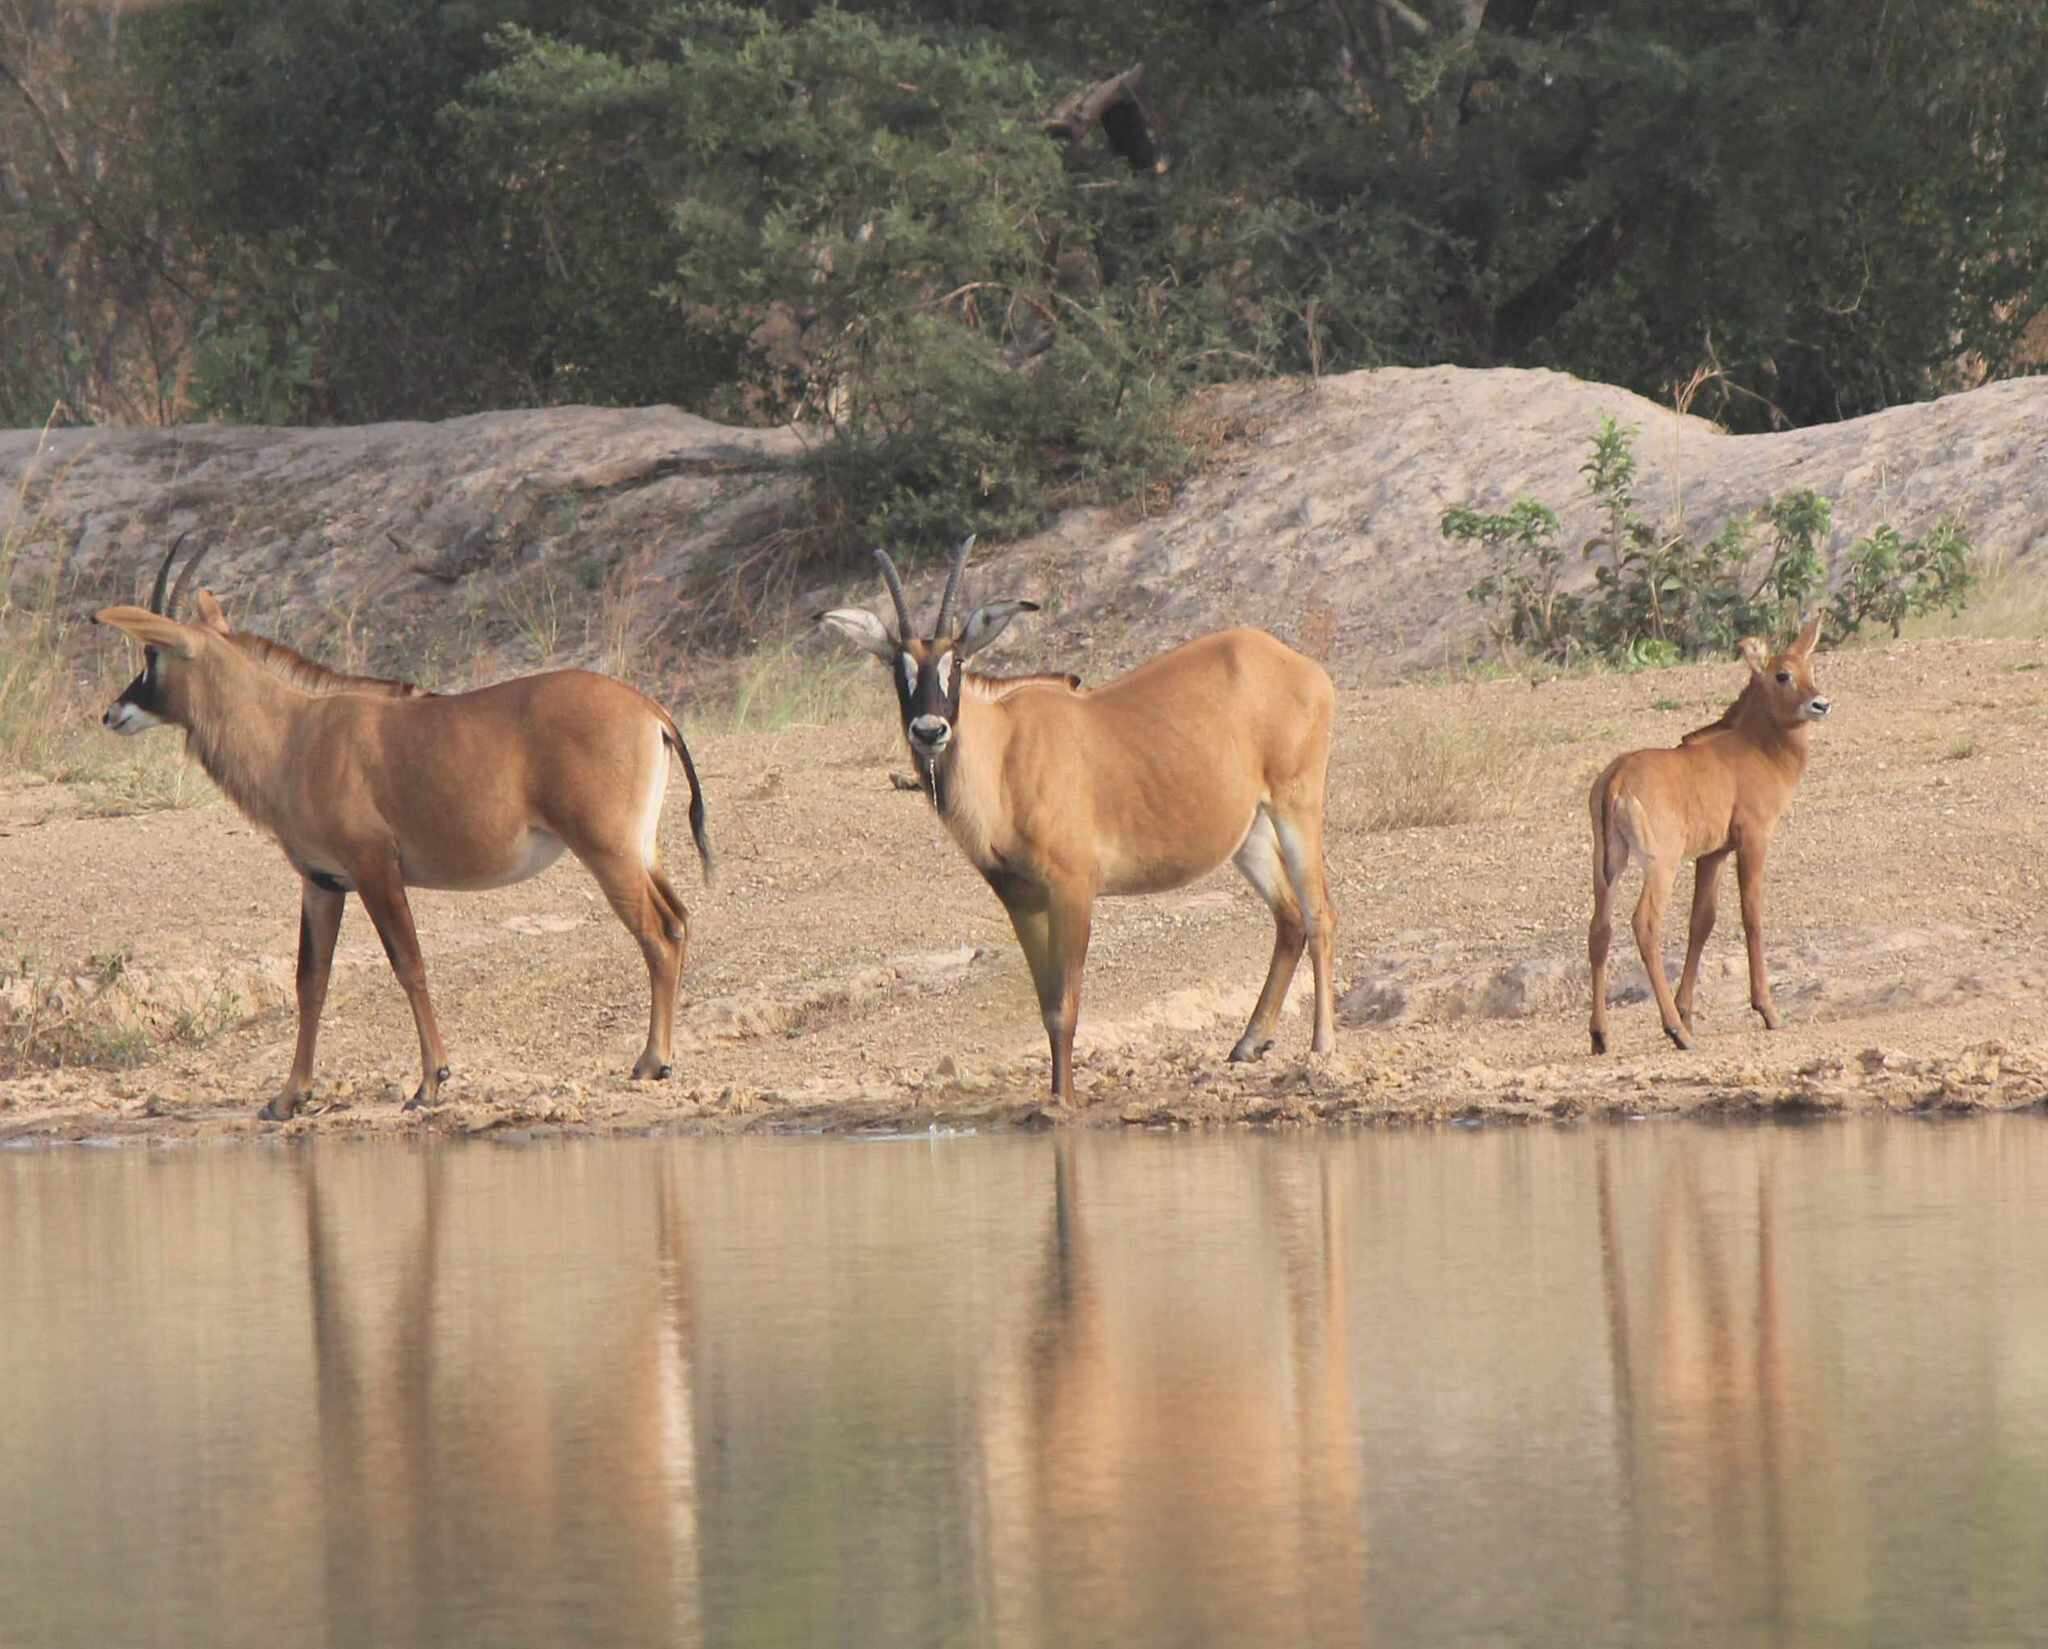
{"x": 1720, "y": 791}
{"x": 1216, "y": 750}
{"x": 372, "y": 787}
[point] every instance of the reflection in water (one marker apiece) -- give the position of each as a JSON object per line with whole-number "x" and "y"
{"x": 1772, "y": 1386}
{"x": 1145, "y": 1422}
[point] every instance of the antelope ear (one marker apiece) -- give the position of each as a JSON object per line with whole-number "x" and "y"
{"x": 210, "y": 615}
{"x": 864, "y": 630}
{"x": 984, "y": 624}
{"x": 1809, "y": 636}
{"x": 152, "y": 630}
{"x": 1755, "y": 654}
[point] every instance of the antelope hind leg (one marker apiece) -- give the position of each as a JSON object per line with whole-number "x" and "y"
{"x": 1649, "y": 928}
{"x": 1300, "y": 834}
{"x": 1258, "y": 861}
{"x": 651, "y": 912}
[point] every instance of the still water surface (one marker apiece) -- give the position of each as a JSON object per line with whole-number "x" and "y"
{"x": 1666, "y": 1384}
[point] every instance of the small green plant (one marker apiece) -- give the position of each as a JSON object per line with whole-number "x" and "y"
{"x": 1886, "y": 579}
{"x": 1659, "y": 597}
{"x": 1524, "y": 608}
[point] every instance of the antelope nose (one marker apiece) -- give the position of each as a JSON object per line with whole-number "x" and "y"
{"x": 1818, "y": 708}
{"x": 931, "y": 731}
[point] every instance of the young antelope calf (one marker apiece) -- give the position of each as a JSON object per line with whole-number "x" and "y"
{"x": 371, "y": 788}
{"x": 1719, "y": 792}
{"x": 1216, "y": 750}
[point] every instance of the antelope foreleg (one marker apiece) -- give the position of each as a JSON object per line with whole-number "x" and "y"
{"x": 1052, "y": 930}
{"x": 1705, "y": 887}
{"x": 319, "y": 925}
{"x": 1749, "y": 877}
{"x": 383, "y": 896}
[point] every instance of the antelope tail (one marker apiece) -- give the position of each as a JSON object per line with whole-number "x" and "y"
{"x": 673, "y": 737}
{"x": 1603, "y": 833}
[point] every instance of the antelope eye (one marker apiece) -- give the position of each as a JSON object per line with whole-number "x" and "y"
{"x": 1784, "y": 678}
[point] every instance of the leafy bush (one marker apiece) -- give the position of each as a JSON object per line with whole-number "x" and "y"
{"x": 1887, "y": 579}
{"x": 862, "y": 229}
{"x": 1659, "y": 597}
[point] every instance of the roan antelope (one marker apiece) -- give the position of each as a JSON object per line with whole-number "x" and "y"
{"x": 1216, "y": 750}
{"x": 373, "y": 787}
{"x": 1719, "y": 791}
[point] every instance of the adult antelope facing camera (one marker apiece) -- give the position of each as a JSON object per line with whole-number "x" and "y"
{"x": 1720, "y": 791}
{"x": 372, "y": 792}
{"x": 1216, "y": 750}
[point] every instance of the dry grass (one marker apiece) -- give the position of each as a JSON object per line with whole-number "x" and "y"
{"x": 58, "y": 673}
{"x": 2005, "y": 603}
{"x": 89, "y": 1017}
{"x": 788, "y": 687}
{"x": 1442, "y": 773}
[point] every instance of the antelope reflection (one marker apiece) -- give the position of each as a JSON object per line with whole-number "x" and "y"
{"x": 1722, "y": 1410}
{"x": 1175, "y": 1461}
{"x": 490, "y": 1431}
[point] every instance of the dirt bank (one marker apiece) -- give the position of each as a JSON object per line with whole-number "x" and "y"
{"x": 581, "y": 534}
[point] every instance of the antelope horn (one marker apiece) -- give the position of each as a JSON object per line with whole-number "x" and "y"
{"x": 163, "y": 573}
{"x": 894, "y": 580}
{"x": 944, "y": 628}
{"x": 185, "y": 578}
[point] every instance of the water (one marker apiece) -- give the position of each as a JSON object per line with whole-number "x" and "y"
{"x": 1666, "y": 1384}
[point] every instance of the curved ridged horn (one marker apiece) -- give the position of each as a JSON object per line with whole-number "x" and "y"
{"x": 894, "y": 580}
{"x": 943, "y": 630}
{"x": 163, "y": 573}
{"x": 185, "y": 579}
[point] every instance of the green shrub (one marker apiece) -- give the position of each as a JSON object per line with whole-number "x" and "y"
{"x": 1886, "y": 579}
{"x": 1658, "y": 597}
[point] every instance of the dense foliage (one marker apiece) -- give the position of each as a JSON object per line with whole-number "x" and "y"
{"x": 297, "y": 210}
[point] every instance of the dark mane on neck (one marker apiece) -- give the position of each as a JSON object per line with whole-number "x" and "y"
{"x": 993, "y": 688}
{"x": 301, "y": 672}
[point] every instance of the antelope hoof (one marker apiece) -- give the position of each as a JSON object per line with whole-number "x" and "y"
{"x": 1769, "y": 1016}
{"x": 1679, "y": 1039}
{"x": 279, "y": 1109}
{"x": 1249, "y": 1049}
{"x": 1599, "y": 1042}
{"x": 659, "y": 1070}
{"x": 428, "y": 1091}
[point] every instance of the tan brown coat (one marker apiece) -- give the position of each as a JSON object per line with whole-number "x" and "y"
{"x": 1216, "y": 751}
{"x": 370, "y": 794}
{"x": 1719, "y": 792}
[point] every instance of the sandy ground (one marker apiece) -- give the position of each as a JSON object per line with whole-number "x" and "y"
{"x": 848, "y": 971}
